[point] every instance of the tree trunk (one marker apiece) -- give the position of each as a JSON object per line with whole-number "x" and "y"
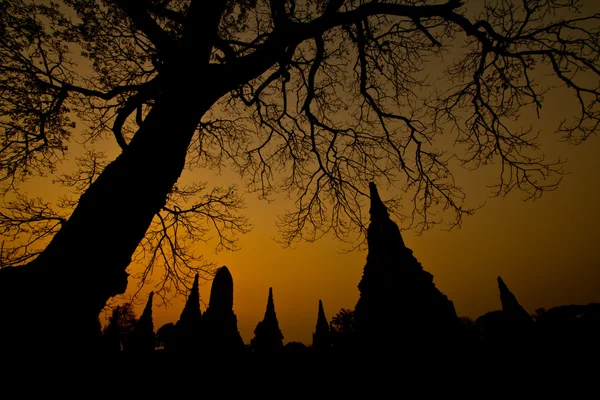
{"x": 56, "y": 299}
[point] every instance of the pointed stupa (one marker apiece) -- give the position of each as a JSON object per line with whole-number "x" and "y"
{"x": 191, "y": 310}
{"x": 267, "y": 335}
{"x": 220, "y": 331}
{"x": 510, "y": 304}
{"x": 377, "y": 209}
{"x": 147, "y": 313}
{"x": 188, "y": 327}
{"x": 142, "y": 337}
{"x": 321, "y": 337}
{"x": 322, "y": 324}
{"x": 399, "y": 306}
{"x": 383, "y": 234}
{"x": 270, "y": 311}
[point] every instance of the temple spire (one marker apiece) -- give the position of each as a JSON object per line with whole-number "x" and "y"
{"x": 270, "y": 311}
{"x": 378, "y": 210}
{"x": 188, "y": 327}
{"x": 399, "y": 306}
{"x": 148, "y": 309}
{"x": 321, "y": 337}
{"x": 146, "y": 317}
{"x": 191, "y": 310}
{"x": 321, "y": 319}
{"x": 510, "y": 304}
{"x": 267, "y": 335}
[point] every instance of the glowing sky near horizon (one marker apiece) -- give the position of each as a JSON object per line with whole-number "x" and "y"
{"x": 545, "y": 250}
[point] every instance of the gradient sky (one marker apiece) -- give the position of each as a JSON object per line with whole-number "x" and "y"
{"x": 545, "y": 250}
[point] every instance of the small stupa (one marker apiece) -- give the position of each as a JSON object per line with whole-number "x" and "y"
{"x": 322, "y": 337}
{"x": 267, "y": 335}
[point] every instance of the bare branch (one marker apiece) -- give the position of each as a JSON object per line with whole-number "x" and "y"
{"x": 26, "y": 225}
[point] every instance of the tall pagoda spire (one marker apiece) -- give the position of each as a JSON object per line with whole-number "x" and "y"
{"x": 383, "y": 235}
{"x": 220, "y": 330}
{"x": 267, "y": 335}
{"x": 399, "y": 305}
{"x": 510, "y": 304}
{"x": 270, "y": 311}
{"x": 191, "y": 310}
{"x": 378, "y": 210}
{"x": 188, "y": 327}
{"x": 321, "y": 337}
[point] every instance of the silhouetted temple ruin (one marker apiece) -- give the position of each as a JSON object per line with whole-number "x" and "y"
{"x": 142, "y": 337}
{"x": 576, "y": 327}
{"x": 400, "y": 312}
{"x": 220, "y": 331}
{"x": 510, "y": 304}
{"x": 399, "y": 306}
{"x": 322, "y": 337}
{"x": 267, "y": 335}
{"x": 512, "y": 326}
{"x": 188, "y": 328}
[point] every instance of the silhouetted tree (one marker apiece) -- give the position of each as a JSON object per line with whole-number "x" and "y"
{"x": 166, "y": 336}
{"x": 312, "y": 98}
{"x": 342, "y": 330}
{"x": 296, "y": 348}
{"x": 343, "y": 321}
{"x": 118, "y": 331}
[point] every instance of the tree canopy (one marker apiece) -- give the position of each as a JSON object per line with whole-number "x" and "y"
{"x": 309, "y": 98}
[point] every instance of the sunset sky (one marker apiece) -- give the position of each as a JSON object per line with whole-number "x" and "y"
{"x": 545, "y": 250}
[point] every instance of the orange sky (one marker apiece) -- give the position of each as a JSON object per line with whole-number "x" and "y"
{"x": 544, "y": 250}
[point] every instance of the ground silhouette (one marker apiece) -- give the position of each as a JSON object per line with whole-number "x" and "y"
{"x": 400, "y": 315}
{"x": 413, "y": 307}
{"x": 183, "y": 67}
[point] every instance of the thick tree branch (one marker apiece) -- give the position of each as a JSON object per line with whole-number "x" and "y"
{"x": 139, "y": 15}
{"x": 288, "y": 36}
